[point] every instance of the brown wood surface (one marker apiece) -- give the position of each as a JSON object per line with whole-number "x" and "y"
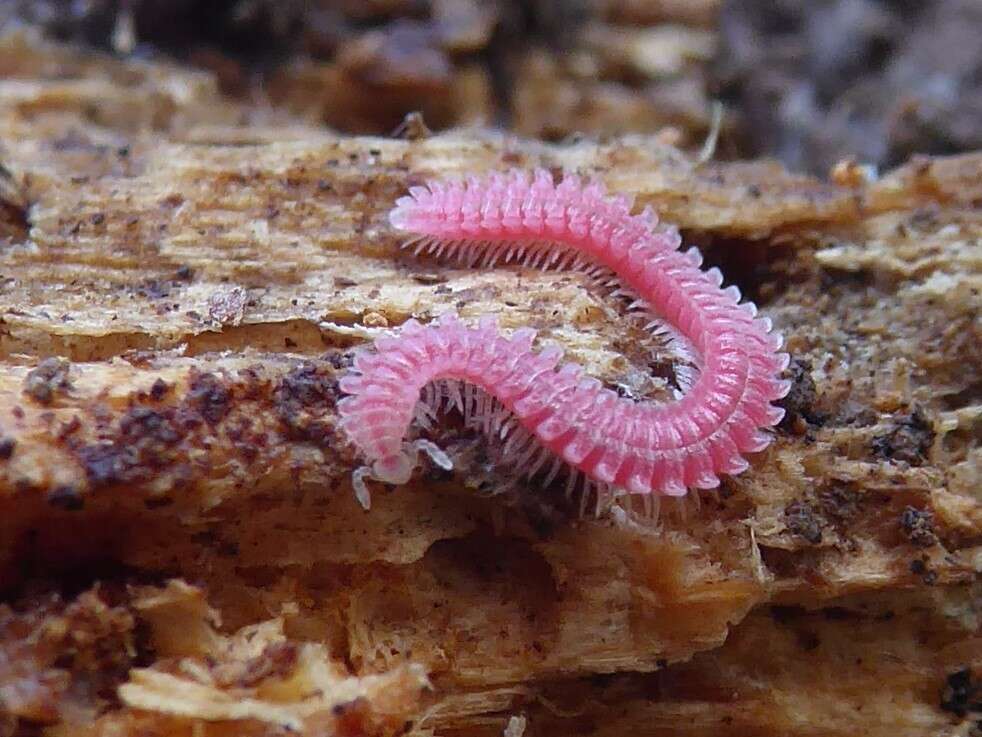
{"x": 180, "y": 551}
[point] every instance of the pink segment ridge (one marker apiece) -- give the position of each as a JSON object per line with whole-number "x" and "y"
{"x": 641, "y": 447}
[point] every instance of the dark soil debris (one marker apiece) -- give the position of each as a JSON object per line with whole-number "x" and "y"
{"x": 962, "y": 693}
{"x": 145, "y": 441}
{"x": 211, "y": 396}
{"x": 159, "y": 389}
{"x": 800, "y": 401}
{"x": 839, "y": 503}
{"x": 909, "y": 440}
{"x": 66, "y": 497}
{"x": 918, "y": 526}
{"x": 305, "y": 400}
{"x": 49, "y": 377}
{"x": 803, "y": 520}
{"x": 7, "y": 446}
{"x": 106, "y": 463}
{"x": 920, "y": 567}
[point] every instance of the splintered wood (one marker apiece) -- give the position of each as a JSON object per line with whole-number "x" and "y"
{"x": 179, "y": 546}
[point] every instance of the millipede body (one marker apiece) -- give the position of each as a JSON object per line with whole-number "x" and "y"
{"x": 548, "y": 416}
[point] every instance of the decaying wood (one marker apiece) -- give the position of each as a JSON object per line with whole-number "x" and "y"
{"x": 180, "y": 292}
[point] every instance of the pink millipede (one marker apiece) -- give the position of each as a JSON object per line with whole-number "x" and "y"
{"x": 548, "y": 415}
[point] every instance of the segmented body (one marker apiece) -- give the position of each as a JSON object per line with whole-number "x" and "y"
{"x": 641, "y": 447}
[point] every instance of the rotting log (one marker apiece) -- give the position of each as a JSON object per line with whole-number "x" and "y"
{"x": 179, "y": 546}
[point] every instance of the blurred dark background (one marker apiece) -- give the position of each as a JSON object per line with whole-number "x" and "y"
{"x": 808, "y": 82}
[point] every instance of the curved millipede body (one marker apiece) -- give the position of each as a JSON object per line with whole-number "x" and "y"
{"x": 544, "y": 410}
